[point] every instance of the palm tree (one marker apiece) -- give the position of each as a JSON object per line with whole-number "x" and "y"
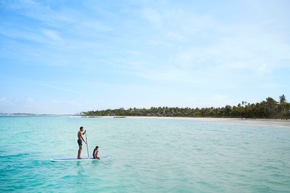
{"x": 282, "y": 111}
{"x": 282, "y": 99}
{"x": 271, "y": 104}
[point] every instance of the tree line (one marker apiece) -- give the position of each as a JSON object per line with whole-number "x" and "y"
{"x": 266, "y": 109}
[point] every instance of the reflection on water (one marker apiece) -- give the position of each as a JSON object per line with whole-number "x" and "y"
{"x": 147, "y": 155}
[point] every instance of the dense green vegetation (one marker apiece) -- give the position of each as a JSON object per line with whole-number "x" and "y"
{"x": 269, "y": 109}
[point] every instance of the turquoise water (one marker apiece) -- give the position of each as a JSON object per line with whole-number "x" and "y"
{"x": 146, "y": 155}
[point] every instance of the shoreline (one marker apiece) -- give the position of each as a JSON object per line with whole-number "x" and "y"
{"x": 267, "y": 122}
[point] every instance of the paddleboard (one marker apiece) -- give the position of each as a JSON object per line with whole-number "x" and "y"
{"x": 75, "y": 159}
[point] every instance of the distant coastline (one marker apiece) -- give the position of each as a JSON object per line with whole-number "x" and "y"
{"x": 268, "y": 122}
{"x": 273, "y": 122}
{"x": 268, "y": 109}
{"x": 30, "y": 115}
{"x": 259, "y": 121}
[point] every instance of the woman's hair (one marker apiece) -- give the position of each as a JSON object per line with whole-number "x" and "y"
{"x": 97, "y": 146}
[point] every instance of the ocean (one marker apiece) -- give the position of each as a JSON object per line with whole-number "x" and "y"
{"x": 145, "y": 155}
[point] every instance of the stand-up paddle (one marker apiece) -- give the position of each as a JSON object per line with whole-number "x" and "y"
{"x": 87, "y": 144}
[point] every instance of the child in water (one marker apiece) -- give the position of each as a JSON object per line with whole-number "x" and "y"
{"x": 96, "y": 153}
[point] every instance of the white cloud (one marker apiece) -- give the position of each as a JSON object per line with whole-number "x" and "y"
{"x": 52, "y": 35}
{"x": 195, "y": 50}
{"x": 152, "y": 15}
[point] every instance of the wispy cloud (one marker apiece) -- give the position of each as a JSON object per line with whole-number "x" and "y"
{"x": 190, "y": 51}
{"x": 238, "y": 50}
{"x": 52, "y": 35}
{"x": 152, "y": 15}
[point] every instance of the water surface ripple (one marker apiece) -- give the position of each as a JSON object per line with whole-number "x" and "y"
{"x": 146, "y": 155}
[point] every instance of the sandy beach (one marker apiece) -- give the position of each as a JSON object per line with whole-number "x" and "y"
{"x": 269, "y": 122}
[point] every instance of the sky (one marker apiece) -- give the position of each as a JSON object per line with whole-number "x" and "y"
{"x": 71, "y": 56}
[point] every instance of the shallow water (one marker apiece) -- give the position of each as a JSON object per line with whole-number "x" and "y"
{"x": 146, "y": 155}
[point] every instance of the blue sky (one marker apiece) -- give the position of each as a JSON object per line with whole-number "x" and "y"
{"x": 69, "y": 56}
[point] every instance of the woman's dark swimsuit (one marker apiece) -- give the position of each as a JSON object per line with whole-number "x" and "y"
{"x": 94, "y": 152}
